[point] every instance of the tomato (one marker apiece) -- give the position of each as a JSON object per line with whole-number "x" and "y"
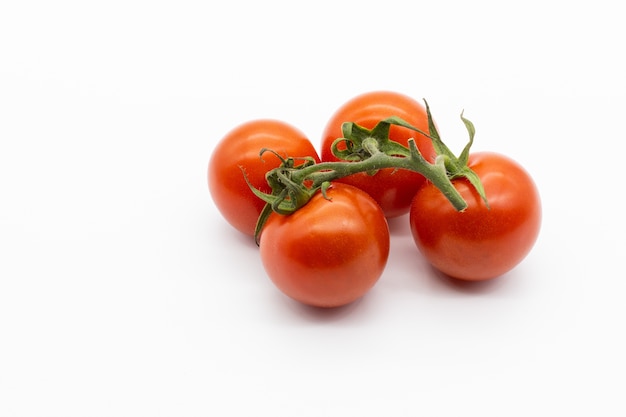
{"x": 392, "y": 189}
{"x": 479, "y": 243}
{"x": 239, "y": 149}
{"x": 328, "y": 253}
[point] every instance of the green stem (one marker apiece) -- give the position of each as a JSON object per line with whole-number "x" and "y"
{"x": 436, "y": 173}
{"x": 368, "y": 150}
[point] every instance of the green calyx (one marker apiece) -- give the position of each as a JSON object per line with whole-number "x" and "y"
{"x": 367, "y": 150}
{"x": 456, "y": 167}
{"x": 287, "y": 195}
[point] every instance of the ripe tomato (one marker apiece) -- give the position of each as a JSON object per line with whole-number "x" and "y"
{"x": 479, "y": 243}
{"x": 328, "y": 253}
{"x": 392, "y": 189}
{"x": 238, "y": 150}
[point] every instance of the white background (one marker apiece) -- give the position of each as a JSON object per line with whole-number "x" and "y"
{"x": 124, "y": 293}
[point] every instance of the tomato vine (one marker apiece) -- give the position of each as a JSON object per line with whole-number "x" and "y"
{"x": 367, "y": 150}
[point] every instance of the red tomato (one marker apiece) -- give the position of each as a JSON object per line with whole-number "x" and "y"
{"x": 392, "y": 189}
{"x": 240, "y": 149}
{"x": 329, "y": 253}
{"x": 479, "y": 243}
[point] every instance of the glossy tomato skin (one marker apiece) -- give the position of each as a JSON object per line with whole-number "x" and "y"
{"x": 239, "y": 149}
{"x": 479, "y": 243}
{"x": 392, "y": 189}
{"x": 328, "y": 253}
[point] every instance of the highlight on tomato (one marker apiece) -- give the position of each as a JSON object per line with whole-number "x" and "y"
{"x": 239, "y": 153}
{"x": 331, "y": 251}
{"x": 393, "y": 189}
{"x": 483, "y": 241}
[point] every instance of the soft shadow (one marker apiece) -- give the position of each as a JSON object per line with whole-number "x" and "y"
{"x": 469, "y": 287}
{"x": 245, "y": 240}
{"x": 326, "y": 315}
{"x": 399, "y": 226}
{"x": 227, "y": 233}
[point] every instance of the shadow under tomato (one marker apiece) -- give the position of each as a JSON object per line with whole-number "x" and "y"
{"x": 399, "y": 226}
{"x": 321, "y": 314}
{"x": 244, "y": 240}
{"x": 469, "y": 287}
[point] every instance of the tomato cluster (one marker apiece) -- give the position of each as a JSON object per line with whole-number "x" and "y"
{"x": 333, "y": 249}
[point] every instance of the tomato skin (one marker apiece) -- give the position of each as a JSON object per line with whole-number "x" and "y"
{"x": 392, "y": 189}
{"x": 328, "y": 253}
{"x": 240, "y": 148}
{"x": 479, "y": 243}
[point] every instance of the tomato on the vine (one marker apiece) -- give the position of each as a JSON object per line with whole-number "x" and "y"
{"x": 480, "y": 242}
{"x": 238, "y": 153}
{"x": 331, "y": 251}
{"x": 393, "y": 189}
